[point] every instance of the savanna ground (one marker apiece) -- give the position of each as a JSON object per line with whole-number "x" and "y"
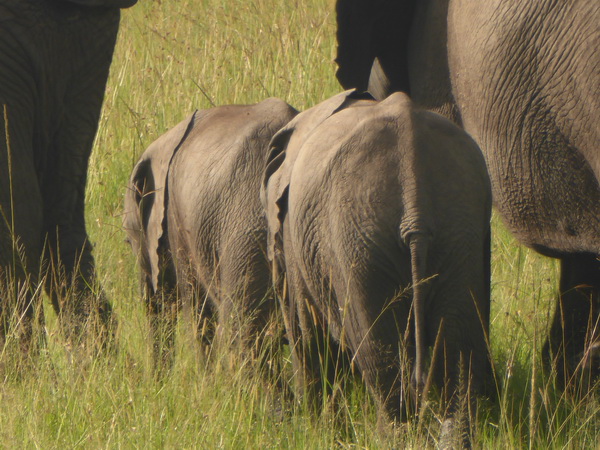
{"x": 176, "y": 56}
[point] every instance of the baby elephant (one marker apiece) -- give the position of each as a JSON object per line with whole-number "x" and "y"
{"x": 194, "y": 219}
{"x": 379, "y": 212}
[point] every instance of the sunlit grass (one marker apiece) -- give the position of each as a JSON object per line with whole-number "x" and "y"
{"x": 177, "y": 56}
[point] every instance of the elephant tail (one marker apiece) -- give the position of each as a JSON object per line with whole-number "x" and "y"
{"x": 419, "y": 245}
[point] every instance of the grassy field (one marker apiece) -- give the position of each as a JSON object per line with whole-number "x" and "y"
{"x": 176, "y": 56}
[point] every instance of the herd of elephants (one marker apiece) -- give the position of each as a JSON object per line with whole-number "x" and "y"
{"x": 362, "y": 223}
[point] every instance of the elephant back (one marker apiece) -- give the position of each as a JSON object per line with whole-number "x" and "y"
{"x": 284, "y": 149}
{"x": 101, "y": 3}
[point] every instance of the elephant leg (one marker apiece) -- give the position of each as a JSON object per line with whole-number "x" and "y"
{"x": 461, "y": 365}
{"x": 454, "y": 369}
{"x": 319, "y": 361}
{"x": 76, "y": 294}
{"x": 381, "y": 364}
{"x": 204, "y": 316}
{"x": 162, "y": 309}
{"x": 246, "y": 301}
{"x": 20, "y": 224}
{"x": 316, "y": 357}
{"x": 174, "y": 293}
{"x": 573, "y": 345}
{"x": 378, "y": 335}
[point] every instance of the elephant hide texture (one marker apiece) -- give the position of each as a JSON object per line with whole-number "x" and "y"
{"x": 364, "y": 201}
{"x": 193, "y": 213}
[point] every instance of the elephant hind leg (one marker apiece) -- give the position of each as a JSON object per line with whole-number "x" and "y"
{"x": 245, "y": 300}
{"x": 384, "y": 366}
{"x": 177, "y": 291}
{"x": 20, "y": 232}
{"x": 379, "y": 336}
{"x": 204, "y": 316}
{"x": 572, "y": 347}
{"x": 461, "y": 363}
{"x": 318, "y": 360}
{"x": 162, "y": 309}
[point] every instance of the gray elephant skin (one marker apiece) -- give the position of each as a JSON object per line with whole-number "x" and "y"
{"x": 54, "y": 63}
{"x": 523, "y": 78}
{"x": 379, "y": 214}
{"x": 195, "y": 221}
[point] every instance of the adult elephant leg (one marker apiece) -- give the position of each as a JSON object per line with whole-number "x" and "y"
{"x": 573, "y": 343}
{"x": 20, "y": 221}
{"x": 76, "y": 295}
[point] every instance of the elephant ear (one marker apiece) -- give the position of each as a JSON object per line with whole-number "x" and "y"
{"x": 137, "y": 207}
{"x": 146, "y": 198}
{"x": 271, "y": 193}
{"x": 380, "y": 85}
{"x": 104, "y": 3}
{"x": 370, "y": 29}
{"x": 285, "y": 146}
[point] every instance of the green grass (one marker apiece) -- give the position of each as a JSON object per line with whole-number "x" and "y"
{"x": 176, "y": 56}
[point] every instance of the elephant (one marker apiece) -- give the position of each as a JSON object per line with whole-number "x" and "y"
{"x": 194, "y": 219}
{"x": 54, "y": 63}
{"x": 523, "y": 78}
{"x": 379, "y": 215}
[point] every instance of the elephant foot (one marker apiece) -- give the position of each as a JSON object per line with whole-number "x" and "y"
{"x": 21, "y": 320}
{"x": 461, "y": 406}
{"x": 454, "y": 434}
{"x": 576, "y": 372}
{"x": 21, "y": 342}
{"x": 89, "y": 322}
{"x": 573, "y": 345}
{"x": 163, "y": 354}
{"x": 573, "y": 355}
{"x": 587, "y": 370}
{"x": 590, "y": 364}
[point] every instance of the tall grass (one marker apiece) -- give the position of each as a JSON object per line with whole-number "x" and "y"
{"x": 173, "y": 57}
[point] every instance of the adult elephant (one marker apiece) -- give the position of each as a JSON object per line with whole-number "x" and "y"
{"x": 523, "y": 78}
{"x": 54, "y": 62}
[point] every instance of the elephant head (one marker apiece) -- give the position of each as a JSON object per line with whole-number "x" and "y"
{"x": 104, "y": 3}
{"x": 145, "y": 199}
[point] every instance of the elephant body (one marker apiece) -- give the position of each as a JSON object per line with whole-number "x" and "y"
{"x": 54, "y": 63}
{"x": 194, "y": 217}
{"x": 537, "y": 128}
{"x": 379, "y": 212}
{"x": 523, "y": 78}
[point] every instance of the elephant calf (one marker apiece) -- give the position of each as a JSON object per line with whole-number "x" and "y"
{"x": 380, "y": 214}
{"x": 194, "y": 219}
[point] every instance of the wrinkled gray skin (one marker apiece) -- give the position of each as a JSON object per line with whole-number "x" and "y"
{"x": 523, "y": 78}
{"x": 365, "y": 200}
{"x": 54, "y": 62}
{"x": 195, "y": 221}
